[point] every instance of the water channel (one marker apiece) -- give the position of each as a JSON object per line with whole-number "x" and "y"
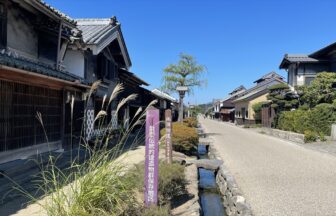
{"x": 211, "y": 199}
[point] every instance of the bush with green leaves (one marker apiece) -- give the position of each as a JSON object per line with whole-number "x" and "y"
{"x": 310, "y": 136}
{"x": 322, "y": 137}
{"x": 257, "y": 108}
{"x": 296, "y": 121}
{"x": 318, "y": 120}
{"x": 321, "y": 118}
{"x": 191, "y": 122}
{"x": 320, "y": 90}
{"x": 171, "y": 181}
{"x": 184, "y": 138}
{"x": 282, "y": 98}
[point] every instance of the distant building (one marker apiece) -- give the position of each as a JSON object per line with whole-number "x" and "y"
{"x": 244, "y": 113}
{"x": 215, "y": 114}
{"x": 227, "y": 109}
{"x": 302, "y": 69}
{"x": 166, "y": 101}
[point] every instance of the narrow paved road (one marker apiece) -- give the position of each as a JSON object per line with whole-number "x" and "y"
{"x": 276, "y": 177}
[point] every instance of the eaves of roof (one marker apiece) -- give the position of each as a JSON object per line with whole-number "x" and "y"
{"x": 131, "y": 76}
{"x": 11, "y": 60}
{"x": 99, "y": 33}
{"x": 40, "y": 4}
{"x": 323, "y": 51}
{"x": 163, "y": 95}
{"x": 257, "y": 89}
{"x": 297, "y": 58}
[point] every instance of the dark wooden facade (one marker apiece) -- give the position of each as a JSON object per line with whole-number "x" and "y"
{"x": 267, "y": 116}
{"x": 48, "y": 59}
{"x": 31, "y": 79}
{"x": 19, "y": 104}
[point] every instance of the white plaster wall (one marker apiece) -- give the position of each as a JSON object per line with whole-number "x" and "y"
{"x": 74, "y": 62}
{"x": 300, "y": 80}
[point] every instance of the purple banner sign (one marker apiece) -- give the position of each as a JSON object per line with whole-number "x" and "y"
{"x": 152, "y": 157}
{"x": 169, "y": 150}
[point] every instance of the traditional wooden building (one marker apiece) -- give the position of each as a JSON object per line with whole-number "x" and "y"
{"x": 227, "y": 109}
{"x": 133, "y": 85}
{"x": 48, "y": 60}
{"x": 102, "y": 55}
{"x": 165, "y": 101}
{"x": 216, "y": 106}
{"x": 33, "y": 42}
{"x": 244, "y": 113}
{"x": 302, "y": 69}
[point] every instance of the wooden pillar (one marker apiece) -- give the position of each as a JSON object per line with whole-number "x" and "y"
{"x": 58, "y": 60}
{"x": 64, "y": 95}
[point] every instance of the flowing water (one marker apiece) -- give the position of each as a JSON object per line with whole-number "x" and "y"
{"x": 211, "y": 200}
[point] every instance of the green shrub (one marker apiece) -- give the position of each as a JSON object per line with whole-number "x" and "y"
{"x": 322, "y": 137}
{"x": 257, "y": 107}
{"x": 310, "y": 136}
{"x": 321, "y": 118}
{"x": 190, "y": 122}
{"x": 296, "y": 121}
{"x": 318, "y": 119}
{"x": 171, "y": 180}
{"x": 320, "y": 90}
{"x": 184, "y": 138}
{"x": 156, "y": 210}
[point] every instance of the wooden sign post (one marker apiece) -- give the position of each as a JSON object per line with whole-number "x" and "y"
{"x": 169, "y": 148}
{"x": 152, "y": 157}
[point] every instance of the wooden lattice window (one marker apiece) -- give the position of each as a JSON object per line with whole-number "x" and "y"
{"x": 18, "y": 106}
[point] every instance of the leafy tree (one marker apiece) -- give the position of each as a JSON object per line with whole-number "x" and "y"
{"x": 187, "y": 72}
{"x": 321, "y": 90}
{"x": 194, "y": 111}
{"x": 282, "y": 98}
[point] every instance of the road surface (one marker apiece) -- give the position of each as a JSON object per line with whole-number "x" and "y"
{"x": 277, "y": 177}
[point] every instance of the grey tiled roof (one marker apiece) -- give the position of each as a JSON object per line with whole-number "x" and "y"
{"x": 299, "y": 58}
{"x": 13, "y": 60}
{"x": 94, "y": 30}
{"x": 55, "y": 11}
{"x": 293, "y": 58}
{"x": 251, "y": 94}
{"x": 261, "y": 88}
{"x": 268, "y": 76}
{"x": 164, "y": 95}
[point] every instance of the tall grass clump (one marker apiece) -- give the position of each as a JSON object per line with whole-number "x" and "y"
{"x": 98, "y": 186}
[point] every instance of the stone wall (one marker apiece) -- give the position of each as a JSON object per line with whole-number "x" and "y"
{"x": 291, "y": 136}
{"x": 233, "y": 200}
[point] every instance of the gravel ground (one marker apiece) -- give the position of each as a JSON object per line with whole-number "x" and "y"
{"x": 277, "y": 177}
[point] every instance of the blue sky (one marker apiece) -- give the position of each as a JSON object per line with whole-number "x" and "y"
{"x": 237, "y": 40}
